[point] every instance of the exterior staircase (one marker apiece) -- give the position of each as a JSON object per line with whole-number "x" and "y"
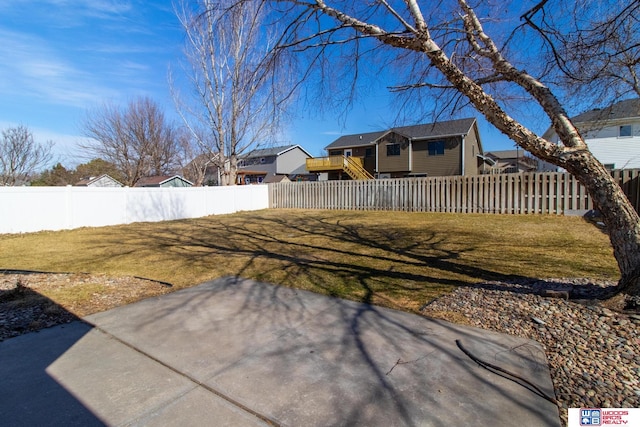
{"x": 352, "y": 166}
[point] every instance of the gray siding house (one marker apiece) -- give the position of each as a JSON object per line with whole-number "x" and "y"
{"x": 272, "y": 164}
{"x": 103, "y": 180}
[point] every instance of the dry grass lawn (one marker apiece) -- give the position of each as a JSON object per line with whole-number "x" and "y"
{"x": 394, "y": 259}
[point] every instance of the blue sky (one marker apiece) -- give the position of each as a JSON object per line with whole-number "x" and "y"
{"x": 63, "y": 57}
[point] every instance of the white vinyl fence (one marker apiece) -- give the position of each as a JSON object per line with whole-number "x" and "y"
{"x": 29, "y": 209}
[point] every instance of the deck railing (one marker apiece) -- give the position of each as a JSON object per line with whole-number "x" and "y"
{"x": 352, "y": 166}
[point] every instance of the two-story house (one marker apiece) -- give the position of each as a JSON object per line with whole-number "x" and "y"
{"x": 612, "y": 134}
{"x": 513, "y": 161}
{"x": 274, "y": 164}
{"x": 434, "y": 149}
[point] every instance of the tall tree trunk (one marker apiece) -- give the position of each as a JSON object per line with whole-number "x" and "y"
{"x": 233, "y": 169}
{"x": 621, "y": 219}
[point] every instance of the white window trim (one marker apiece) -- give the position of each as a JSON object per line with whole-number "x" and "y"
{"x": 625, "y": 136}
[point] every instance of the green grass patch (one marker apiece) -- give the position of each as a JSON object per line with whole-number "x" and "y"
{"x": 394, "y": 259}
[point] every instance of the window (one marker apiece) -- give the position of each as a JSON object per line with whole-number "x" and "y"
{"x": 436, "y": 148}
{"x": 393, "y": 149}
{"x": 368, "y": 152}
{"x": 624, "y": 131}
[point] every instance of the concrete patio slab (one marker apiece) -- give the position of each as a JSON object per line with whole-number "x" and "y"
{"x": 239, "y": 352}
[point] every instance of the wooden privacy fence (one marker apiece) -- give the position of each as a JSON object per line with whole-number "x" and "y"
{"x": 525, "y": 193}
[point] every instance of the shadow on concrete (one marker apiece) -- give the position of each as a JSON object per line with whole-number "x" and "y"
{"x": 298, "y": 358}
{"x": 29, "y": 395}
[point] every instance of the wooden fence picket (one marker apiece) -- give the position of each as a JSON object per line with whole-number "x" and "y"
{"x": 550, "y": 193}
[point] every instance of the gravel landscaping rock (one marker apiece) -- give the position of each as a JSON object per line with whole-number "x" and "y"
{"x": 593, "y": 352}
{"x": 25, "y": 307}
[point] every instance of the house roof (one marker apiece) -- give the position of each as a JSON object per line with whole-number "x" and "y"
{"x": 158, "y": 180}
{"x": 273, "y": 178}
{"x": 620, "y": 110}
{"x": 506, "y": 154}
{"x": 274, "y": 151}
{"x": 423, "y": 131}
{"x": 629, "y": 108}
{"x": 85, "y": 182}
{"x": 356, "y": 140}
{"x": 204, "y": 158}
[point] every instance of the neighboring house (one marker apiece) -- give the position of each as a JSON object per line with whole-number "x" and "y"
{"x": 612, "y": 134}
{"x": 434, "y": 149}
{"x": 103, "y": 180}
{"x": 512, "y": 161}
{"x": 273, "y": 178}
{"x": 163, "y": 181}
{"x": 202, "y": 170}
{"x": 267, "y": 164}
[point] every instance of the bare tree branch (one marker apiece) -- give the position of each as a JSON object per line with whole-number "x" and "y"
{"x": 21, "y": 156}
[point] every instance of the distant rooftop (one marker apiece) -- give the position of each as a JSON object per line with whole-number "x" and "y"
{"x": 272, "y": 151}
{"x": 620, "y": 110}
{"x": 151, "y": 181}
{"x": 506, "y": 154}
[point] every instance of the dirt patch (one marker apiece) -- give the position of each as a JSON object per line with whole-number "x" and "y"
{"x": 33, "y": 301}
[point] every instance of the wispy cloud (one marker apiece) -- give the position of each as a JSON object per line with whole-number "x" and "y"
{"x": 70, "y": 12}
{"x": 31, "y": 69}
{"x": 60, "y": 58}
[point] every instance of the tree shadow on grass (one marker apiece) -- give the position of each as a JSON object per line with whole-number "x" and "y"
{"x": 385, "y": 265}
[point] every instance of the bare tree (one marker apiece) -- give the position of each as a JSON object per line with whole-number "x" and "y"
{"x": 444, "y": 47}
{"x": 21, "y": 156}
{"x": 138, "y": 139}
{"x": 595, "y": 50}
{"x": 232, "y": 108}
